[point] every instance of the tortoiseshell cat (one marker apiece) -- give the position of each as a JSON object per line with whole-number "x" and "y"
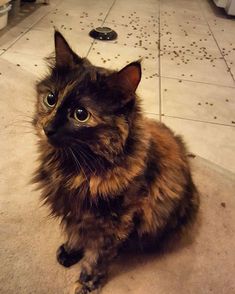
{"x": 108, "y": 172}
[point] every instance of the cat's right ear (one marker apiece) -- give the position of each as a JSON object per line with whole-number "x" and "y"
{"x": 64, "y": 55}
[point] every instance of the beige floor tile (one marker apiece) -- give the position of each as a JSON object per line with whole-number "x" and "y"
{"x": 180, "y": 6}
{"x": 133, "y": 15}
{"x": 33, "y": 18}
{"x": 132, "y": 34}
{"x": 198, "y": 101}
{"x": 29, "y": 63}
{"x": 177, "y": 12}
{"x": 35, "y": 43}
{"x": 62, "y": 20}
{"x": 223, "y": 23}
{"x": 210, "y": 10}
{"x": 17, "y": 96}
{"x": 10, "y": 37}
{"x": 186, "y": 42}
{"x": 199, "y": 69}
{"x": 52, "y": 3}
{"x": 152, "y": 115}
{"x": 148, "y": 91}
{"x": 225, "y": 37}
{"x": 231, "y": 65}
{"x": 181, "y": 27}
{"x": 146, "y": 5}
{"x": 136, "y": 25}
{"x": 22, "y": 25}
{"x": 115, "y": 57}
{"x": 122, "y": 13}
{"x": 92, "y": 9}
{"x": 41, "y": 43}
{"x": 186, "y": 30}
{"x": 226, "y": 43}
{"x": 215, "y": 143}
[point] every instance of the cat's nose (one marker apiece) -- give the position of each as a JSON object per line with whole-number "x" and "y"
{"x": 49, "y": 130}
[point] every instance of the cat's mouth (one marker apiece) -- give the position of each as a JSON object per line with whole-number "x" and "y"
{"x": 54, "y": 137}
{"x": 55, "y": 140}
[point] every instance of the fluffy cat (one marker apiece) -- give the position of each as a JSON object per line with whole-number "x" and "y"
{"x": 111, "y": 175}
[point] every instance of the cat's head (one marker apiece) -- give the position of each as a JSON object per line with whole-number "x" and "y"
{"x": 81, "y": 106}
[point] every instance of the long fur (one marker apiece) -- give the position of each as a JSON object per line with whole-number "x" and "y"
{"x": 122, "y": 175}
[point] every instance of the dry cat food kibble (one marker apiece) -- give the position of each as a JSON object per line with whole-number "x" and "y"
{"x": 223, "y": 204}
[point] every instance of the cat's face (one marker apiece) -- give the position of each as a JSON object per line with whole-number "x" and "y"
{"x": 82, "y": 106}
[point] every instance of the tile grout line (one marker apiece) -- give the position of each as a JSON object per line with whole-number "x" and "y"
{"x": 26, "y": 31}
{"x": 159, "y": 61}
{"x": 197, "y": 120}
{"x": 89, "y": 50}
{"x": 199, "y": 82}
{"x": 108, "y": 12}
{"x": 228, "y": 68}
{"x": 190, "y": 119}
{"x": 93, "y": 42}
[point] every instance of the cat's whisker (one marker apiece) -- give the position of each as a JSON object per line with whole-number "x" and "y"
{"x": 18, "y": 126}
{"x": 20, "y": 122}
{"x": 32, "y": 133}
{"x": 10, "y": 131}
{"x": 84, "y": 162}
{"x": 66, "y": 153}
{"x": 25, "y": 114}
{"x": 25, "y": 118}
{"x": 21, "y": 113}
{"x": 89, "y": 162}
{"x": 78, "y": 164}
{"x": 95, "y": 159}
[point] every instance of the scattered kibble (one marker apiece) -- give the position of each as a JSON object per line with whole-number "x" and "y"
{"x": 191, "y": 155}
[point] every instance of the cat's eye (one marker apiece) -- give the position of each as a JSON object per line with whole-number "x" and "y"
{"x": 81, "y": 114}
{"x": 50, "y": 100}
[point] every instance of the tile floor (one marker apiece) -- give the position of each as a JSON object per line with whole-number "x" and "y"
{"x": 188, "y": 51}
{"x": 188, "y": 55}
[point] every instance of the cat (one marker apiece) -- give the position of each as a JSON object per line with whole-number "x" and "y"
{"x": 109, "y": 173}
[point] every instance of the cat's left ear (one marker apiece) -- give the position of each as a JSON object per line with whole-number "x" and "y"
{"x": 64, "y": 55}
{"x": 130, "y": 76}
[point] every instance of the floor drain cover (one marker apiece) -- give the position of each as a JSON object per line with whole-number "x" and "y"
{"x": 103, "y": 33}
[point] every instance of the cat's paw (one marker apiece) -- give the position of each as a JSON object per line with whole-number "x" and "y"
{"x": 66, "y": 258}
{"x": 81, "y": 289}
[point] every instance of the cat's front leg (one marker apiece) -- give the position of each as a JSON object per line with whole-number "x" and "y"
{"x": 72, "y": 251}
{"x": 94, "y": 268}
{"x": 67, "y": 256}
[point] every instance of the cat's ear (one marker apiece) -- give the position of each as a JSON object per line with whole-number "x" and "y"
{"x": 130, "y": 76}
{"x": 64, "y": 55}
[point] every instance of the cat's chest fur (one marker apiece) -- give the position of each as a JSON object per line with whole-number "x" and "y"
{"x": 75, "y": 194}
